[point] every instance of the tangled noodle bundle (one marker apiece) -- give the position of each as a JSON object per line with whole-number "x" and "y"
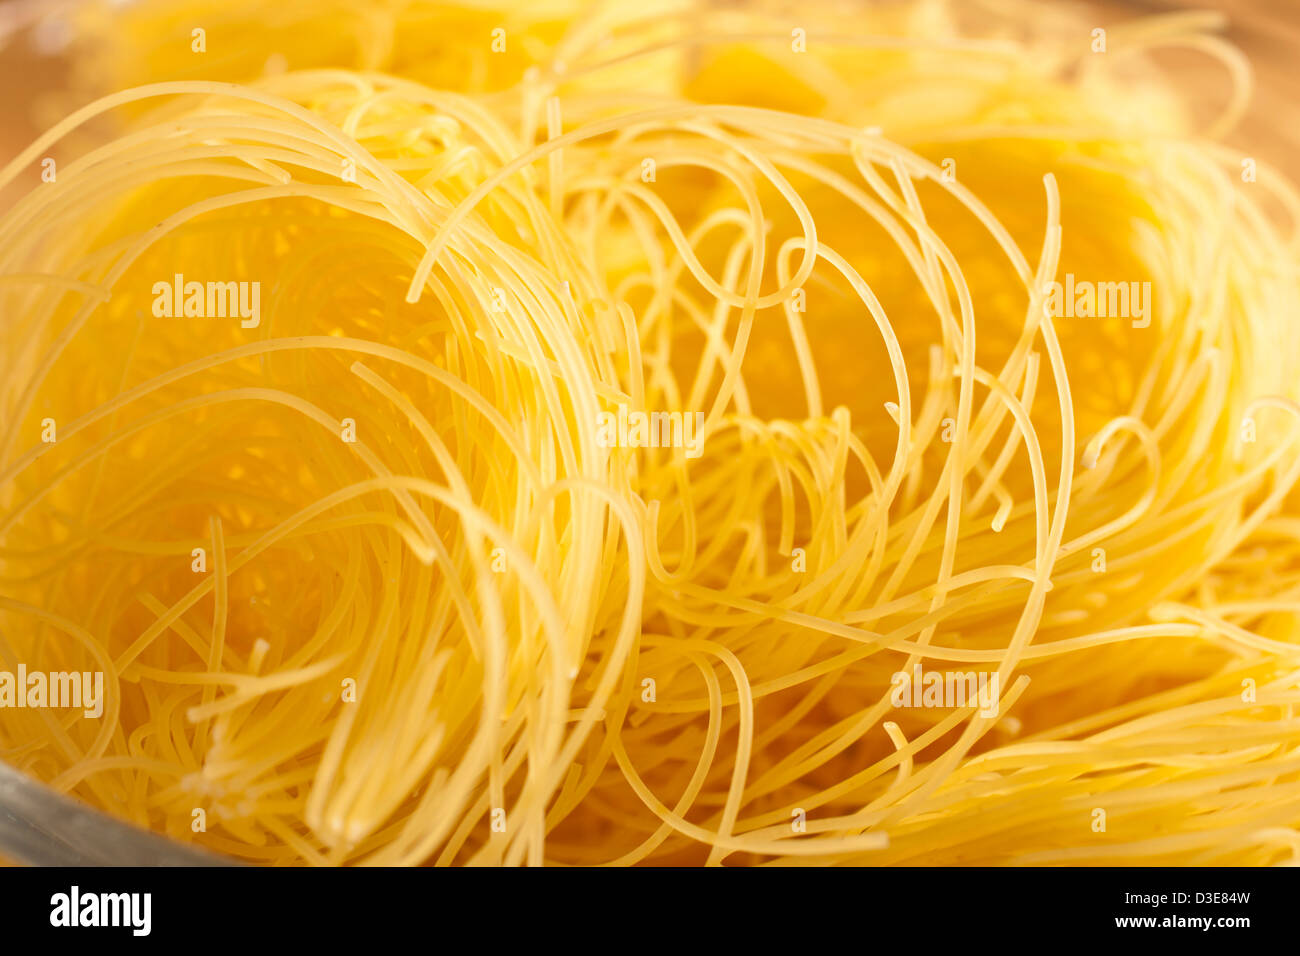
{"x": 382, "y": 566}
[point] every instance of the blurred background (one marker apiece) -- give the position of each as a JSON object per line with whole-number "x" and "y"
{"x": 35, "y": 72}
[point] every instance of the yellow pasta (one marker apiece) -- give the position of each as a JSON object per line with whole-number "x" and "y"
{"x": 568, "y": 434}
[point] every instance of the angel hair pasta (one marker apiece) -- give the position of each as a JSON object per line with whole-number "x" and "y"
{"x": 676, "y": 433}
